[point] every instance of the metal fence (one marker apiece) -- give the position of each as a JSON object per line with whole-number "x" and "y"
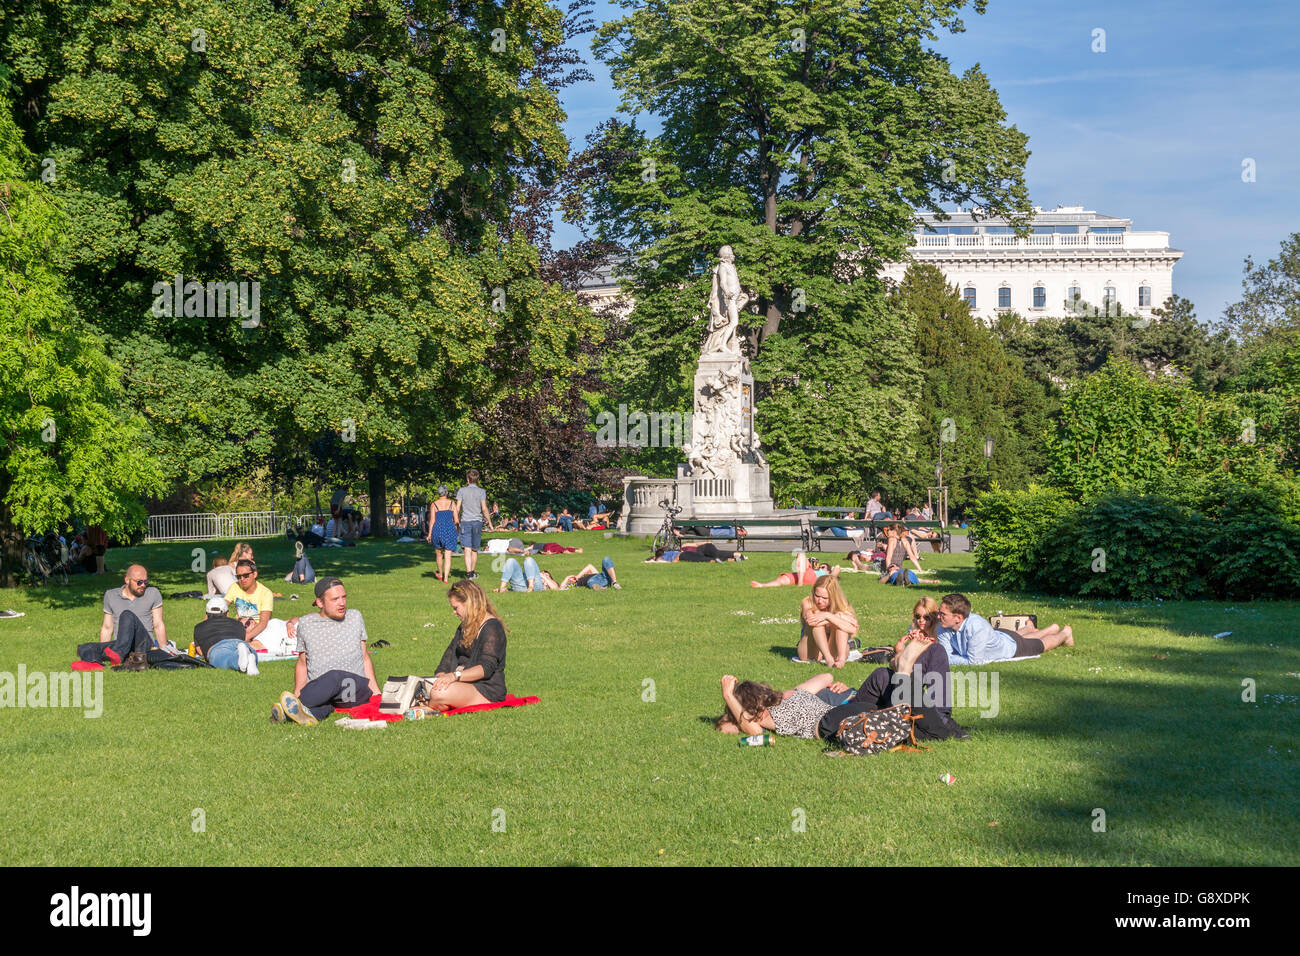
{"x": 203, "y": 527}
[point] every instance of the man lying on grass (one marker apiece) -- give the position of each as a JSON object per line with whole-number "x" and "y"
{"x": 971, "y": 640}
{"x": 334, "y": 667}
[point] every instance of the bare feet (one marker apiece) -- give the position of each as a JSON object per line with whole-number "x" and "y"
{"x": 1068, "y": 631}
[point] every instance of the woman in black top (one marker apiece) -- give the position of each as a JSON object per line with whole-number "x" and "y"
{"x": 473, "y": 670}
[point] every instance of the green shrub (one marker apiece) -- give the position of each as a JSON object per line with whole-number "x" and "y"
{"x": 1126, "y": 546}
{"x": 1012, "y": 527}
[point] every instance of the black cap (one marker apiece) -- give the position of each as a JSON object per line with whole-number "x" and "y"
{"x": 324, "y": 584}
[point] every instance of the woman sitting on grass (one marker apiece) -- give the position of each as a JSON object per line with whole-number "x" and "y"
{"x": 899, "y": 545}
{"x": 828, "y": 619}
{"x": 473, "y": 669}
{"x": 753, "y": 707}
{"x": 806, "y": 571}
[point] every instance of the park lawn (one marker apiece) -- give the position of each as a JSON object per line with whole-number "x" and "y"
{"x": 1144, "y": 719}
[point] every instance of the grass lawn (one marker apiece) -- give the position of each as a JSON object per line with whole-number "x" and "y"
{"x": 1143, "y": 718}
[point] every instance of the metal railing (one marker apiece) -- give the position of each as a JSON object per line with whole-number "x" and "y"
{"x": 203, "y": 527}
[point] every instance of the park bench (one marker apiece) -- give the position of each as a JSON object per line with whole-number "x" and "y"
{"x": 756, "y": 529}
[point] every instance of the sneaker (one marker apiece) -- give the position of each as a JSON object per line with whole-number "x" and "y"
{"x": 252, "y": 670}
{"x": 616, "y": 586}
{"x": 472, "y": 576}
{"x": 241, "y": 657}
{"x": 295, "y": 711}
{"x": 277, "y": 713}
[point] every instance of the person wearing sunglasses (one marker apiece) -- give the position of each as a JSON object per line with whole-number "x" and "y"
{"x": 920, "y": 664}
{"x": 252, "y": 603}
{"x": 133, "y": 621}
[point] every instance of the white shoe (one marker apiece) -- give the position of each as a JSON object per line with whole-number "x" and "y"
{"x": 247, "y": 660}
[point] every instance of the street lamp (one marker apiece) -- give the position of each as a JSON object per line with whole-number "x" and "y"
{"x": 988, "y": 447}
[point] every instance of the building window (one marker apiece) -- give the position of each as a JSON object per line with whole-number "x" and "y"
{"x": 969, "y": 295}
{"x": 997, "y": 230}
{"x": 1004, "y": 298}
{"x": 1072, "y": 296}
{"x": 1107, "y": 230}
{"x": 1144, "y": 297}
{"x": 1040, "y": 297}
{"x": 1108, "y": 299}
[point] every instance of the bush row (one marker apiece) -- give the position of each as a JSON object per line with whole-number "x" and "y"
{"x": 1219, "y": 537}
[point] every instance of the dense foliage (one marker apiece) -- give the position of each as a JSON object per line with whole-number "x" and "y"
{"x": 65, "y": 444}
{"x": 805, "y": 136}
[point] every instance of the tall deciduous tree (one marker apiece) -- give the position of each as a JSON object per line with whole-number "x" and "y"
{"x": 806, "y": 135}
{"x": 66, "y": 448}
{"x": 359, "y": 161}
{"x": 973, "y": 390}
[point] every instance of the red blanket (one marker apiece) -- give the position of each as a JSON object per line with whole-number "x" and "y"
{"x": 370, "y": 709}
{"x": 86, "y": 666}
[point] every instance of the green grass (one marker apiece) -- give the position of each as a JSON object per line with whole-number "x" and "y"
{"x": 1144, "y": 718}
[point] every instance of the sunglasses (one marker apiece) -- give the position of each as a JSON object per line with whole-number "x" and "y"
{"x": 246, "y": 574}
{"x": 140, "y": 583}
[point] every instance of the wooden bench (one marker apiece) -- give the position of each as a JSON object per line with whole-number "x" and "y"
{"x": 757, "y": 529}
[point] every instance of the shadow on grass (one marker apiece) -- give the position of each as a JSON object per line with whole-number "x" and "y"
{"x": 171, "y": 566}
{"x": 1191, "y": 752}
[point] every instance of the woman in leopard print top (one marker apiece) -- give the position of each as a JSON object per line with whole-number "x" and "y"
{"x": 753, "y": 707}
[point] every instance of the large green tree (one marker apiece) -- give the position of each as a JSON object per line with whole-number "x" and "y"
{"x": 66, "y": 447}
{"x": 806, "y": 135}
{"x": 359, "y": 161}
{"x": 972, "y": 390}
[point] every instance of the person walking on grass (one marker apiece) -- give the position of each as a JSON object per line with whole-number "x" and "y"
{"x": 471, "y": 506}
{"x": 334, "y": 667}
{"x": 442, "y": 533}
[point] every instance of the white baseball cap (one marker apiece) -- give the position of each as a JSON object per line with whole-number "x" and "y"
{"x": 218, "y": 605}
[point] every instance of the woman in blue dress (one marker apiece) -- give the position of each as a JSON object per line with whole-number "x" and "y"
{"x": 442, "y": 533}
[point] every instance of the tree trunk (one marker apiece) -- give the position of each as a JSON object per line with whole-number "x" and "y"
{"x": 378, "y": 503}
{"x": 11, "y": 549}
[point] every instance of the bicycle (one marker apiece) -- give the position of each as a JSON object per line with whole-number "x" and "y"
{"x": 667, "y": 538}
{"x": 40, "y": 566}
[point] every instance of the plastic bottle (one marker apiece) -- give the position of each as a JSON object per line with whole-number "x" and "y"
{"x": 414, "y": 714}
{"x": 758, "y": 740}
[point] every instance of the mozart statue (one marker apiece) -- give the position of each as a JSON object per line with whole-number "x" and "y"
{"x": 726, "y": 301}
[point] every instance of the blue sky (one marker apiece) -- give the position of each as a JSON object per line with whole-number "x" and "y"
{"x": 1154, "y": 129}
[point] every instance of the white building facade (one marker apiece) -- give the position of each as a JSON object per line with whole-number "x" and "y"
{"x": 1071, "y": 254}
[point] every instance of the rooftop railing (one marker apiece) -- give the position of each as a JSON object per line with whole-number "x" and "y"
{"x": 1128, "y": 240}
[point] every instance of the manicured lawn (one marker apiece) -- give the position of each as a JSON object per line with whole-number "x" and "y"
{"x": 1143, "y": 719}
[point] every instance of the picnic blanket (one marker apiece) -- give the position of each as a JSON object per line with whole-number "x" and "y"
{"x": 264, "y": 655}
{"x": 370, "y": 709}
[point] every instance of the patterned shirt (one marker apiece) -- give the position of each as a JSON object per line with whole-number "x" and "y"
{"x": 332, "y": 645}
{"x": 798, "y": 715}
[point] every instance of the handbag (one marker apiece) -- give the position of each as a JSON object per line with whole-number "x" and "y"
{"x": 878, "y": 730}
{"x": 400, "y": 694}
{"x": 1013, "y": 622}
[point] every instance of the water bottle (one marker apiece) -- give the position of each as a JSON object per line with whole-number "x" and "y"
{"x": 758, "y": 740}
{"x": 414, "y": 715}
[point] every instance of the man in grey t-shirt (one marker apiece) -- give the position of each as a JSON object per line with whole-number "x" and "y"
{"x": 471, "y": 506}
{"x": 132, "y": 621}
{"x": 334, "y": 667}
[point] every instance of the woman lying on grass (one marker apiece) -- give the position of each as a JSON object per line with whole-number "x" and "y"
{"x": 806, "y": 571}
{"x": 828, "y": 620}
{"x": 701, "y": 554}
{"x": 753, "y": 707}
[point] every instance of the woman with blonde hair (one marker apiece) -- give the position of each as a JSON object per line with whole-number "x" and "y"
{"x": 828, "y": 619}
{"x": 242, "y": 551}
{"x": 473, "y": 669}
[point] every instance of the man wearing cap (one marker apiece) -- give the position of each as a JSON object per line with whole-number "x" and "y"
{"x": 220, "y": 639}
{"x": 132, "y": 621}
{"x": 334, "y": 667}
